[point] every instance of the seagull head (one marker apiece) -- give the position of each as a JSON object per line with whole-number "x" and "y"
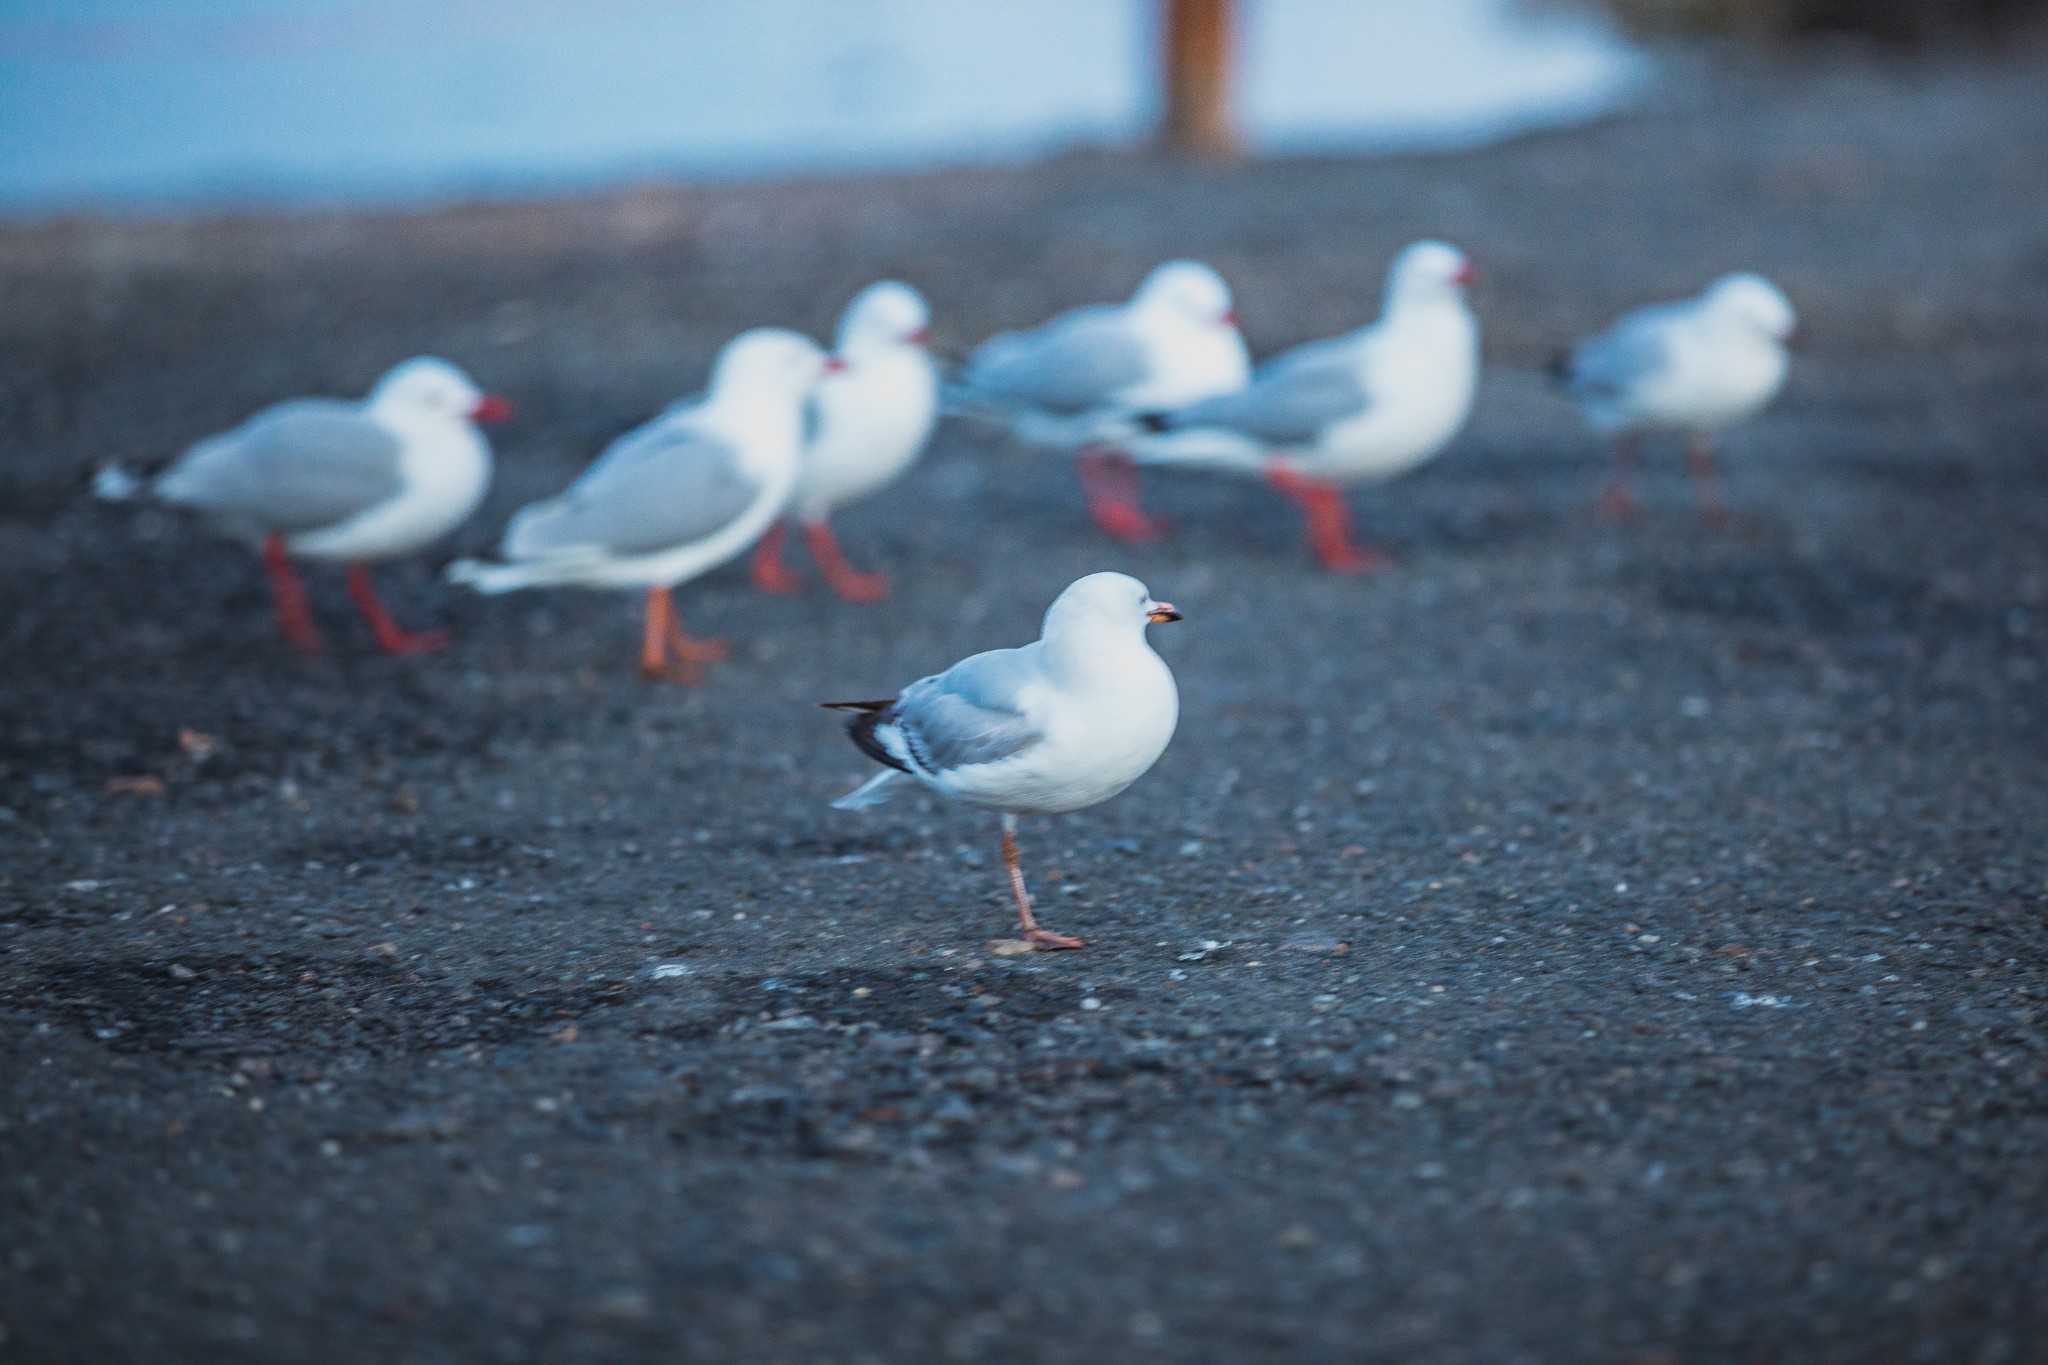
{"x": 888, "y": 313}
{"x": 768, "y": 361}
{"x": 1106, "y": 601}
{"x": 431, "y": 387}
{"x": 1429, "y": 272}
{"x": 1187, "y": 289}
{"x": 1752, "y": 301}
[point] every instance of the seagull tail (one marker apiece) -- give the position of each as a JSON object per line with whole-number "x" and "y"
{"x": 491, "y": 579}
{"x": 112, "y": 483}
{"x": 872, "y": 792}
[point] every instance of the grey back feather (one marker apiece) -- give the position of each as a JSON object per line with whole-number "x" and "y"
{"x": 970, "y": 714}
{"x": 659, "y": 487}
{"x": 1079, "y": 360}
{"x": 1291, "y": 400}
{"x": 1623, "y": 357}
{"x": 299, "y": 466}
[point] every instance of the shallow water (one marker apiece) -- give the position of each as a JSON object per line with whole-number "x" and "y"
{"x": 143, "y": 103}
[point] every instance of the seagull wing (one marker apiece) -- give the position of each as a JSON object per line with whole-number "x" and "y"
{"x": 299, "y": 466}
{"x": 665, "y": 485}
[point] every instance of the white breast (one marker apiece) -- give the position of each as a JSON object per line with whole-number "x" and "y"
{"x": 873, "y": 420}
{"x": 1422, "y": 379}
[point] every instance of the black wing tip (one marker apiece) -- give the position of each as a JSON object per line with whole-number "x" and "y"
{"x": 1155, "y": 422}
{"x": 864, "y": 706}
{"x": 1560, "y": 366}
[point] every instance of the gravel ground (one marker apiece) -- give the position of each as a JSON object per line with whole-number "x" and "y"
{"x": 1579, "y": 945}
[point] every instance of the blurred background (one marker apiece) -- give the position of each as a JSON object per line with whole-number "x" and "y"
{"x": 162, "y": 102}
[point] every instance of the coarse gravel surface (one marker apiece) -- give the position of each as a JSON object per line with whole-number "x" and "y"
{"x": 1578, "y": 945}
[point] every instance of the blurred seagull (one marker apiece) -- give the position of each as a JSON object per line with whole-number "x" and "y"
{"x": 870, "y": 417}
{"x": 1076, "y": 381}
{"x": 337, "y": 481}
{"x": 1352, "y": 409}
{"x": 1691, "y": 367}
{"x": 1055, "y": 726}
{"x": 672, "y": 499}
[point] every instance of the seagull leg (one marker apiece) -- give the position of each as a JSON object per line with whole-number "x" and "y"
{"x": 1329, "y": 523}
{"x": 1109, "y": 480}
{"x": 842, "y": 577}
{"x": 690, "y": 654}
{"x": 1027, "y": 923}
{"x": 1706, "y": 478}
{"x": 294, "y": 614}
{"x": 1618, "y": 503}
{"x": 768, "y": 571}
{"x": 391, "y": 637}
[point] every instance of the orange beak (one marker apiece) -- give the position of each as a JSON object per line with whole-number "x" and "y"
{"x": 492, "y": 408}
{"x": 921, "y": 337}
{"x": 1162, "y": 612}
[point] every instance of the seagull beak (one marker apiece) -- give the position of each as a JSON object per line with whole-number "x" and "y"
{"x": 1795, "y": 339}
{"x": 835, "y": 365}
{"x": 1467, "y": 276}
{"x": 921, "y": 337}
{"x": 1229, "y": 318}
{"x": 1162, "y": 611}
{"x": 492, "y": 408}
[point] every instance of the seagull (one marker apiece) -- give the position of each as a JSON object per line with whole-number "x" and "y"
{"x": 1351, "y": 409}
{"x": 1074, "y": 382}
{"x": 672, "y": 499}
{"x": 331, "y": 480}
{"x": 870, "y": 418}
{"x": 1692, "y": 367}
{"x": 1058, "y": 725}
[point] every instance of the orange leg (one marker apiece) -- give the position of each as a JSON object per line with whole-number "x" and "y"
{"x": 1706, "y": 479}
{"x": 391, "y": 638}
{"x": 294, "y": 613}
{"x": 1027, "y": 923}
{"x": 768, "y": 571}
{"x": 1329, "y": 523}
{"x": 1618, "y": 503}
{"x": 667, "y": 654}
{"x": 1109, "y": 480}
{"x": 844, "y": 579}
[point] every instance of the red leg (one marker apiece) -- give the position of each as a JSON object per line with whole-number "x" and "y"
{"x": 768, "y": 571}
{"x": 841, "y": 576}
{"x": 689, "y": 655}
{"x": 1109, "y": 480}
{"x": 1329, "y": 523}
{"x": 1706, "y": 478}
{"x": 1618, "y": 503}
{"x": 654, "y": 635}
{"x": 1027, "y": 923}
{"x": 391, "y": 638}
{"x": 294, "y": 613}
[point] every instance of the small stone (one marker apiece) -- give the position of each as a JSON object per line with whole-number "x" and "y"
{"x": 134, "y": 786}
{"x": 180, "y": 972}
{"x": 1299, "y": 1237}
{"x": 1008, "y": 947}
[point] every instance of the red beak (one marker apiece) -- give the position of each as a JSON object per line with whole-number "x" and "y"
{"x": 1467, "y": 276}
{"x": 1230, "y": 317}
{"x": 493, "y": 408}
{"x": 921, "y": 337}
{"x": 834, "y": 365}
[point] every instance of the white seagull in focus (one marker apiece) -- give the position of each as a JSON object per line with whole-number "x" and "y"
{"x": 336, "y": 481}
{"x": 1058, "y": 725}
{"x": 1360, "y": 408}
{"x": 1075, "y": 382}
{"x": 1691, "y": 367}
{"x": 871, "y": 415}
{"x": 672, "y": 499}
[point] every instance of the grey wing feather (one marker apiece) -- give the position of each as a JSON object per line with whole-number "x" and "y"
{"x": 656, "y": 488}
{"x": 1290, "y": 401}
{"x": 1078, "y": 361}
{"x": 970, "y": 714}
{"x": 1622, "y": 357}
{"x": 296, "y": 467}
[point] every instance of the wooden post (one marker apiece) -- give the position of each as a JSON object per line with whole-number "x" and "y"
{"x": 1197, "y": 38}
